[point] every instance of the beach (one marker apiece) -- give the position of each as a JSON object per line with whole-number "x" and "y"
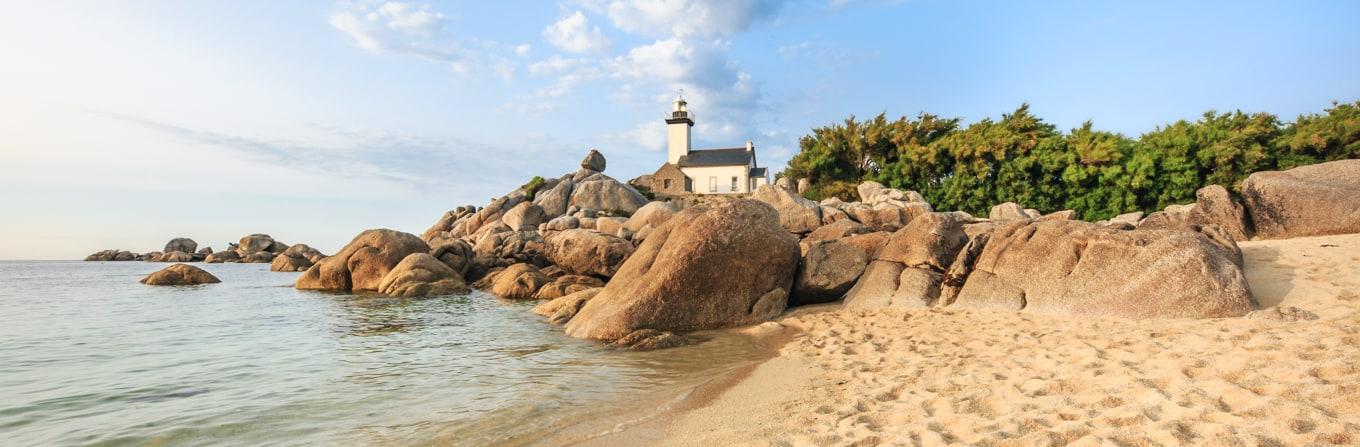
{"x": 960, "y": 377}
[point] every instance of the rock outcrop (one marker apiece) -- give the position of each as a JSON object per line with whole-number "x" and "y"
{"x": 710, "y": 266}
{"x": 607, "y": 194}
{"x": 828, "y": 269}
{"x": 1008, "y": 211}
{"x": 112, "y": 255}
{"x": 363, "y": 263}
{"x": 297, "y": 258}
{"x": 457, "y": 254}
{"x": 176, "y": 256}
{"x": 561, "y": 310}
{"x": 181, "y": 244}
{"x": 586, "y": 252}
{"x": 796, "y": 214}
{"x": 906, "y": 272}
{"x": 421, "y": 275}
{"x": 1076, "y": 268}
{"x": 837, "y": 230}
{"x": 653, "y": 214}
{"x": 1215, "y": 205}
{"x": 566, "y": 285}
{"x": 594, "y": 161}
{"x": 180, "y": 275}
{"x": 518, "y": 282}
{"x": 525, "y": 216}
{"x": 223, "y": 256}
{"x": 1312, "y": 200}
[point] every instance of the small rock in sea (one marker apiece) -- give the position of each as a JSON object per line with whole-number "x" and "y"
{"x": 180, "y": 275}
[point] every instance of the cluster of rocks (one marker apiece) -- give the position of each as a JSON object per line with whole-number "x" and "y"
{"x": 720, "y": 265}
{"x": 180, "y": 249}
{"x": 388, "y": 262}
{"x": 1314, "y": 200}
{"x": 254, "y": 248}
{"x": 609, "y": 265}
{"x": 520, "y": 227}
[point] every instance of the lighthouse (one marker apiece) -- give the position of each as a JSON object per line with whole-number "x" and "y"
{"x": 678, "y": 131}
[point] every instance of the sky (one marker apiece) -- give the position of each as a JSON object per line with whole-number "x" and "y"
{"x": 126, "y": 124}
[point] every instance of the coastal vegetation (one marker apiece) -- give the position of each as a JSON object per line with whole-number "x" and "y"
{"x": 1098, "y": 174}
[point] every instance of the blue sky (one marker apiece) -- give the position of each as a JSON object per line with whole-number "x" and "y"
{"x": 124, "y": 124}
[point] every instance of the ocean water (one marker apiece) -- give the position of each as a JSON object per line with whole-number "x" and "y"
{"x": 89, "y": 356}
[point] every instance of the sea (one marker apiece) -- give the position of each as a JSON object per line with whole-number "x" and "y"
{"x": 89, "y": 356}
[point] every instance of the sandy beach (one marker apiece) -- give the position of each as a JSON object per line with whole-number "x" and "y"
{"x": 951, "y": 377}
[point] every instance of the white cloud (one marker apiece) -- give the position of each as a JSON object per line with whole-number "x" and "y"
{"x": 573, "y": 33}
{"x": 523, "y": 49}
{"x": 723, "y": 96}
{"x": 414, "y": 29}
{"x": 688, "y": 18}
{"x": 409, "y": 18}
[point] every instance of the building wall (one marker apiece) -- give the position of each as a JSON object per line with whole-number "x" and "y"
{"x": 760, "y": 181}
{"x": 677, "y": 141}
{"x": 723, "y": 176}
{"x": 668, "y": 180}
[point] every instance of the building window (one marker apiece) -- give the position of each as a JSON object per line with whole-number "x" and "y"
{"x": 712, "y": 184}
{"x": 753, "y": 184}
{"x": 689, "y": 184}
{"x": 666, "y": 184}
{"x": 734, "y": 184}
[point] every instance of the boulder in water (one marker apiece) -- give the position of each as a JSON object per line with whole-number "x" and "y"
{"x": 180, "y": 275}
{"x": 421, "y": 275}
{"x": 518, "y": 282}
{"x": 363, "y": 263}
{"x": 181, "y": 244}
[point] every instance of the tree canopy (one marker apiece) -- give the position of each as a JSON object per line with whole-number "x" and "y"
{"x": 1099, "y": 174}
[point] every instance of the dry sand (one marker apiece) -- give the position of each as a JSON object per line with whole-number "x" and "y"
{"x": 952, "y": 377}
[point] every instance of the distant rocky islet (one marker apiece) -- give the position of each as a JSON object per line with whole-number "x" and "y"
{"x": 613, "y": 266}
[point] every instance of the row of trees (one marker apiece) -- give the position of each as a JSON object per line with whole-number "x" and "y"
{"x": 1022, "y": 159}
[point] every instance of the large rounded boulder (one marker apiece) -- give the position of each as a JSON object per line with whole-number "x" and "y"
{"x": 708, "y": 267}
{"x": 906, "y": 271}
{"x": 363, "y": 263}
{"x": 297, "y": 258}
{"x": 1077, "y": 268}
{"x": 828, "y": 270}
{"x": 518, "y": 282}
{"x": 1215, "y": 205}
{"x": 1313, "y": 200}
{"x": 181, "y": 244}
{"x": 254, "y": 243}
{"x": 796, "y": 214}
{"x": 180, "y": 275}
{"x": 421, "y": 275}
{"x": 606, "y": 194}
{"x": 586, "y": 252}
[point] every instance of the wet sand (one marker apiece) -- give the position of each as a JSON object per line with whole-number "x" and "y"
{"x": 953, "y": 377}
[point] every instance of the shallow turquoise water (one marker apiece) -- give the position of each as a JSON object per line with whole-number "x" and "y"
{"x": 89, "y": 356}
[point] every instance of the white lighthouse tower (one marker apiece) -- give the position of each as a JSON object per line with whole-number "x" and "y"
{"x": 678, "y": 131}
